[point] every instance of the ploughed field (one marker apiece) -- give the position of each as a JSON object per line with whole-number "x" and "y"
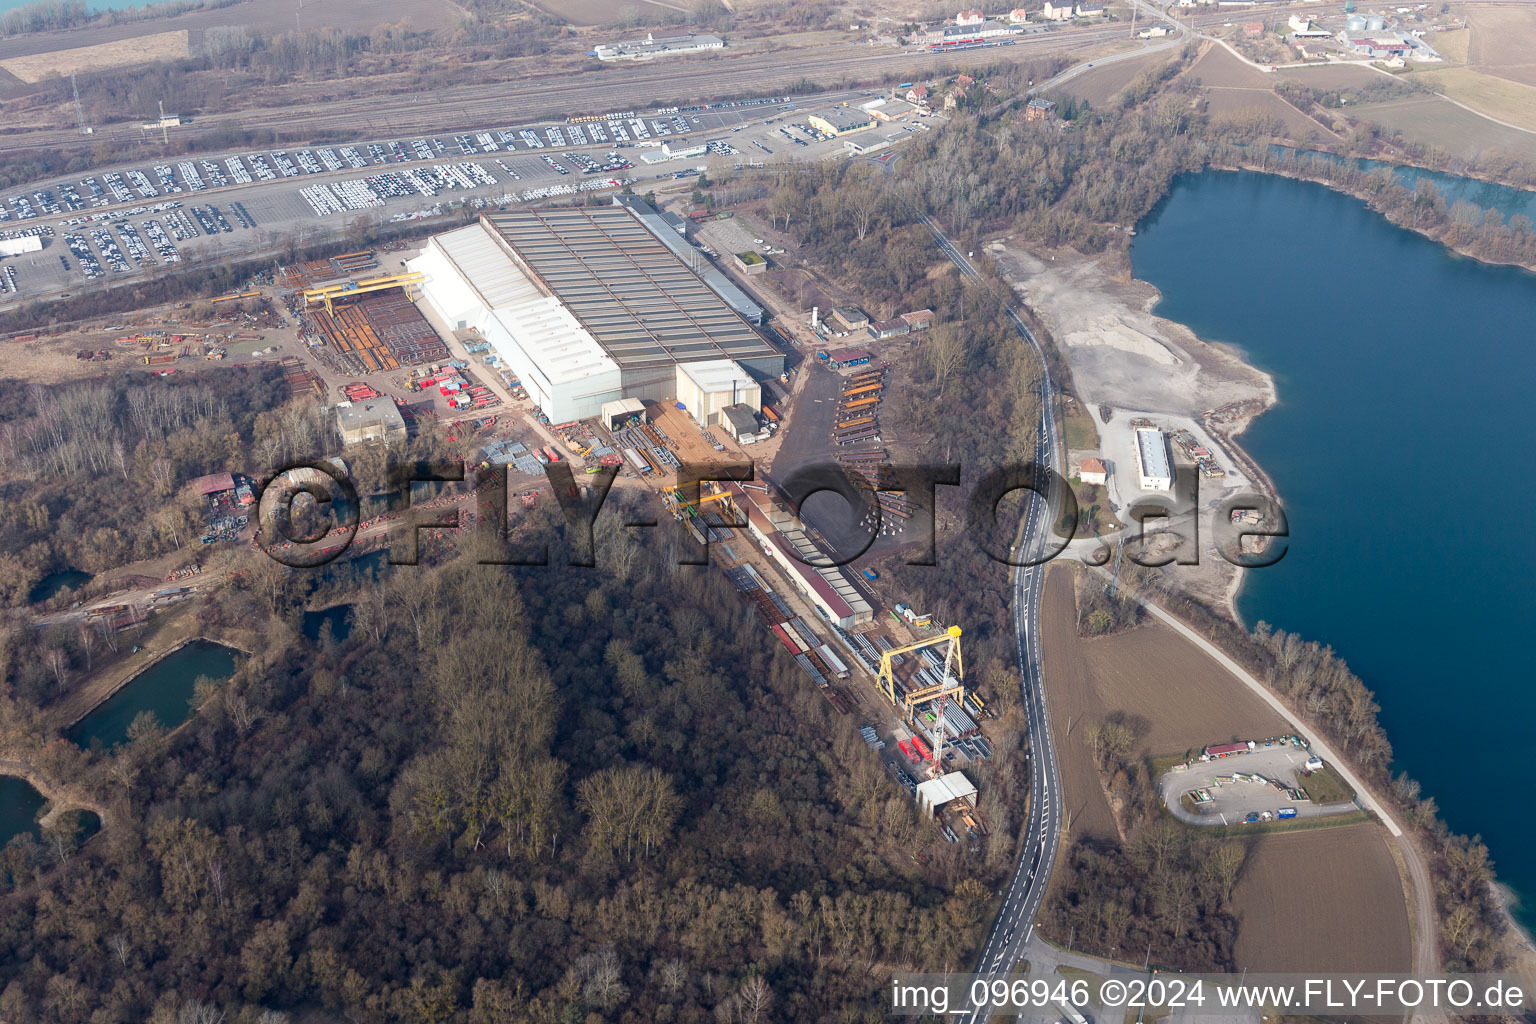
{"x": 1324, "y": 896}
{"x": 1186, "y": 700}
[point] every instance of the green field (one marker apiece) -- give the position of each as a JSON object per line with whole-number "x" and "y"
{"x": 1326, "y": 787}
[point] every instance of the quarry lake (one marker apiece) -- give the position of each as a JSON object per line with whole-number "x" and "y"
{"x": 164, "y": 689}
{"x": 1399, "y": 450}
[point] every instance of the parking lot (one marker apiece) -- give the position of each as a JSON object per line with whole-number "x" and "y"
{"x": 1228, "y": 793}
{"x": 114, "y": 224}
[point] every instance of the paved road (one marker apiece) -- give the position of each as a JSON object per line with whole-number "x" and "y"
{"x": 1015, "y": 924}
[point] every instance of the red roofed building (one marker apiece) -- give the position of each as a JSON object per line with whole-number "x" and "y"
{"x": 970, "y": 18}
{"x": 214, "y": 483}
{"x": 1226, "y": 749}
{"x": 1092, "y": 472}
{"x": 773, "y": 526}
{"x": 918, "y": 94}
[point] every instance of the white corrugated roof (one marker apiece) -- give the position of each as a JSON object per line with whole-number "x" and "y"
{"x": 483, "y": 263}
{"x": 554, "y": 340}
{"x": 712, "y": 375}
{"x": 940, "y": 791}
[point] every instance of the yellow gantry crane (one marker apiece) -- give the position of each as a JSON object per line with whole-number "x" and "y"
{"x": 954, "y": 671}
{"x": 331, "y": 292}
{"x": 674, "y": 499}
{"x": 951, "y": 685}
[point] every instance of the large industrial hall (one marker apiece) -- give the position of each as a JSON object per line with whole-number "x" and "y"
{"x": 587, "y": 305}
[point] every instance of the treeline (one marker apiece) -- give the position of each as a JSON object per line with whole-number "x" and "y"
{"x": 537, "y": 795}
{"x": 93, "y": 472}
{"x": 1167, "y": 892}
{"x": 44, "y": 16}
{"x": 1320, "y": 687}
{"x": 1077, "y": 187}
{"x": 1460, "y": 225}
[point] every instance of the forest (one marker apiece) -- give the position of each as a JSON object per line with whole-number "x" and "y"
{"x": 403, "y": 823}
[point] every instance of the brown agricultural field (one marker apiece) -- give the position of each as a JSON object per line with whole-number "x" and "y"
{"x": 616, "y": 12}
{"x": 1433, "y": 121}
{"x": 1233, "y": 89}
{"x": 1452, "y": 44}
{"x": 1325, "y": 896}
{"x": 1218, "y": 69}
{"x": 1509, "y": 101}
{"x": 143, "y": 50}
{"x": 264, "y": 15}
{"x": 1070, "y": 698}
{"x": 1187, "y": 700}
{"x": 1501, "y": 42}
{"x": 1099, "y": 85}
{"x": 1332, "y": 76}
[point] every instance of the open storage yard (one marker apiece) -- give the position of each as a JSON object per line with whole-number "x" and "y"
{"x": 1327, "y": 896}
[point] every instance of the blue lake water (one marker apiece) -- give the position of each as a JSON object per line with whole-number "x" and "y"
{"x": 1487, "y": 195}
{"x": 1401, "y": 452}
{"x": 51, "y": 584}
{"x": 91, "y": 5}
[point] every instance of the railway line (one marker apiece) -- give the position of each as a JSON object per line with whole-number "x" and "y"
{"x": 467, "y": 106}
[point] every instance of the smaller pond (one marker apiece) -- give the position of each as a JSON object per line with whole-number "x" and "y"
{"x": 54, "y": 582}
{"x": 1486, "y": 195}
{"x": 164, "y": 690}
{"x": 335, "y": 617}
{"x": 20, "y": 805}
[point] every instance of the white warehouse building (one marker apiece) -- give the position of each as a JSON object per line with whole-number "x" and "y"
{"x": 1152, "y": 463}
{"x": 18, "y": 246}
{"x": 472, "y": 283}
{"x": 588, "y": 306}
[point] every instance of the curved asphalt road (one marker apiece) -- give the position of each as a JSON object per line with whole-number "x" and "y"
{"x": 1015, "y": 923}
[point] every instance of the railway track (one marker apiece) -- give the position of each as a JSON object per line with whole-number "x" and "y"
{"x": 478, "y": 105}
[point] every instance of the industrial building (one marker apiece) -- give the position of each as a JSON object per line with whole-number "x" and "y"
{"x": 874, "y": 142}
{"x": 1152, "y": 460}
{"x": 947, "y": 788}
{"x": 889, "y": 109}
{"x": 586, "y": 305}
{"x": 842, "y": 121}
{"x": 374, "y": 420}
{"x": 671, "y": 231}
{"x": 705, "y": 389}
{"x": 740, "y": 421}
{"x": 657, "y": 46}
